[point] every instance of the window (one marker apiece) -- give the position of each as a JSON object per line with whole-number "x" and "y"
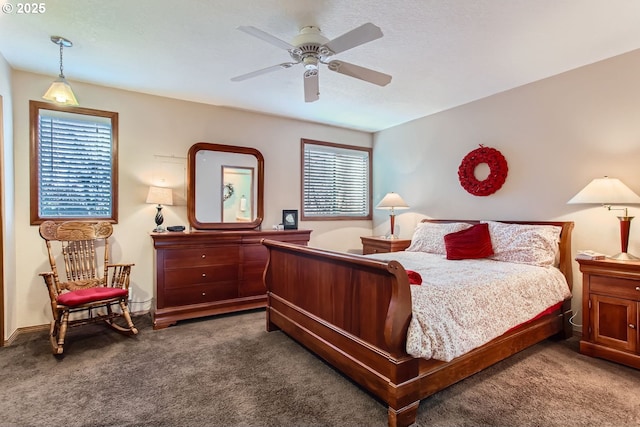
{"x": 74, "y": 163}
{"x": 336, "y": 181}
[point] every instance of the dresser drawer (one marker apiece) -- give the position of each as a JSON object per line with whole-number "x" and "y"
{"x": 200, "y": 294}
{"x": 615, "y": 286}
{"x": 180, "y": 277}
{"x": 201, "y": 256}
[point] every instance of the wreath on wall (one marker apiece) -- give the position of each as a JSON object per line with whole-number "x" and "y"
{"x": 497, "y": 171}
{"x": 227, "y": 192}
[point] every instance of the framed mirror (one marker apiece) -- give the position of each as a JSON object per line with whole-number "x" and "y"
{"x": 225, "y": 187}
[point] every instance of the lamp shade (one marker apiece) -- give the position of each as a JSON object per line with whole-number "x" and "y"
{"x": 160, "y": 196}
{"x": 392, "y": 201}
{"x": 605, "y": 191}
{"x": 60, "y": 92}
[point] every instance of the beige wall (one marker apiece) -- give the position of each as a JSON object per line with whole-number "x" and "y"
{"x": 7, "y": 201}
{"x": 155, "y": 134}
{"x": 556, "y": 134}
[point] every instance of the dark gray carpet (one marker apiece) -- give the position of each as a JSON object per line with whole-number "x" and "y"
{"x": 227, "y": 371}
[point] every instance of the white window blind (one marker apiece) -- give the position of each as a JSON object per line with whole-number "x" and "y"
{"x": 74, "y": 165}
{"x": 336, "y": 181}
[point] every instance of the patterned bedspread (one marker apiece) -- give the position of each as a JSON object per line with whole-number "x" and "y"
{"x": 464, "y": 304}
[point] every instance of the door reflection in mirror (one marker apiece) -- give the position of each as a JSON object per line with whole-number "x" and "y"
{"x": 237, "y": 194}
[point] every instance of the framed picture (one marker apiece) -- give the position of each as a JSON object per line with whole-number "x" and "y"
{"x": 290, "y": 219}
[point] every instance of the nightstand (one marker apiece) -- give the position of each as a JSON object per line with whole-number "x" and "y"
{"x": 376, "y": 245}
{"x": 610, "y": 310}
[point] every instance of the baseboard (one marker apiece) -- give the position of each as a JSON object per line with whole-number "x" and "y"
{"x": 26, "y": 330}
{"x": 140, "y": 313}
{"x": 39, "y": 328}
{"x": 577, "y": 331}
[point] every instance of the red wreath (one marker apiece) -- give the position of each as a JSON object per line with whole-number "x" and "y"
{"x": 497, "y": 171}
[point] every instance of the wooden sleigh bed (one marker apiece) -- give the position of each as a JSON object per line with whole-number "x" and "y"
{"x": 354, "y": 312}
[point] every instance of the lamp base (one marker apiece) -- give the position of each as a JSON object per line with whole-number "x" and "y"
{"x": 159, "y": 220}
{"x": 623, "y": 256}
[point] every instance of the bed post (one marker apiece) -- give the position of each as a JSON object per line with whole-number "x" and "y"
{"x": 567, "y": 330}
{"x": 270, "y": 326}
{"x": 565, "y": 264}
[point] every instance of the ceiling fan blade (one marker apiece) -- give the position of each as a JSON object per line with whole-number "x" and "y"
{"x": 361, "y": 35}
{"x": 311, "y": 86}
{"x": 359, "y": 72}
{"x": 263, "y": 71}
{"x": 266, "y": 37}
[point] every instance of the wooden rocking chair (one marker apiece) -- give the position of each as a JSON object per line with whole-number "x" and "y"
{"x": 86, "y": 296}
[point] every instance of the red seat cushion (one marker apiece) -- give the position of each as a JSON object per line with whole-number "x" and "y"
{"x": 83, "y": 296}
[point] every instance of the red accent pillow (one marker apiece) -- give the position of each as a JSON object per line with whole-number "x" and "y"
{"x": 414, "y": 277}
{"x": 83, "y": 296}
{"x": 472, "y": 243}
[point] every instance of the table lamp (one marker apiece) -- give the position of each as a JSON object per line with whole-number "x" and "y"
{"x": 160, "y": 196}
{"x": 607, "y": 192}
{"x": 392, "y": 201}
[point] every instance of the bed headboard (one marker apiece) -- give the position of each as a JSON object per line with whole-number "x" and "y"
{"x": 565, "y": 262}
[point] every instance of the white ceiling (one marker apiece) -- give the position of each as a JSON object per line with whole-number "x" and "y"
{"x": 441, "y": 53}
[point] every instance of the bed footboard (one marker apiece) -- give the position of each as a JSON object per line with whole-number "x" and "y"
{"x": 351, "y": 311}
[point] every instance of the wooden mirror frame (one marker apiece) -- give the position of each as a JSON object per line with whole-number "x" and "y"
{"x": 191, "y": 187}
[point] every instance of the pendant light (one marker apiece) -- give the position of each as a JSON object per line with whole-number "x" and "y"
{"x": 60, "y": 90}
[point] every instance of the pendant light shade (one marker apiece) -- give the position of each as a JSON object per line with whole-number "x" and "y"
{"x": 60, "y": 90}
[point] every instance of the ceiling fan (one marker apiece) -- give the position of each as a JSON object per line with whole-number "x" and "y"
{"x": 310, "y": 48}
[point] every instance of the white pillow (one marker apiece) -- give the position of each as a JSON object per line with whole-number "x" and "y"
{"x": 525, "y": 243}
{"x": 429, "y": 236}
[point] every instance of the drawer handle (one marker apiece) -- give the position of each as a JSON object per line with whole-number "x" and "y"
{"x": 204, "y": 256}
{"x": 638, "y": 288}
{"x": 204, "y": 274}
{"x": 204, "y": 293}
{"x": 632, "y": 326}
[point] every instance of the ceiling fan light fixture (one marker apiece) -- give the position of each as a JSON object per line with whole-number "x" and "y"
{"x": 60, "y": 90}
{"x": 310, "y": 62}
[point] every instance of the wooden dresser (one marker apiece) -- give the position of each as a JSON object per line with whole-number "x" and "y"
{"x": 202, "y": 273}
{"x": 611, "y": 310}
